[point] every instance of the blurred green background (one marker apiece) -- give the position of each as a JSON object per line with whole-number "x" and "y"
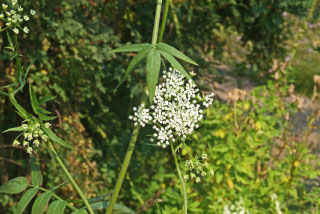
{"x": 243, "y": 39}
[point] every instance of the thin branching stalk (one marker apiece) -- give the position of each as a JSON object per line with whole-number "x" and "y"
{"x": 136, "y": 130}
{"x": 73, "y": 182}
{"x": 184, "y": 192}
{"x": 164, "y": 20}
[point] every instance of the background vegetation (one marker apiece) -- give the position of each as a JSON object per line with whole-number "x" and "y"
{"x": 251, "y": 139}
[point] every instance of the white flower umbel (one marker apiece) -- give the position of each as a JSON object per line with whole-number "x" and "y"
{"x": 33, "y": 136}
{"x": 14, "y": 17}
{"x": 141, "y": 115}
{"x": 177, "y": 108}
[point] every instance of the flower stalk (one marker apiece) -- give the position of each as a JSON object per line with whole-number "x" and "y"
{"x": 184, "y": 192}
{"x": 73, "y": 182}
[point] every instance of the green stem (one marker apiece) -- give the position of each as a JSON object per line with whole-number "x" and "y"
{"x": 18, "y": 62}
{"x": 125, "y": 163}
{"x": 75, "y": 185}
{"x": 184, "y": 192}
{"x": 156, "y": 22}
{"x": 164, "y": 20}
{"x": 54, "y": 195}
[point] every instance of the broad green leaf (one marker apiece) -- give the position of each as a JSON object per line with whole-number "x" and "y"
{"x": 220, "y": 148}
{"x": 57, "y": 207}
{"x": 174, "y": 52}
{"x": 34, "y": 100}
{"x": 55, "y": 138}
{"x": 22, "y": 112}
{"x": 14, "y": 186}
{"x": 81, "y": 211}
{"x": 153, "y": 69}
{"x": 25, "y": 199}
{"x": 175, "y": 64}
{"x": 130, "y": 48}
{"x": 103, "y": 205}
{"x": 36, "y": 175}
{"x": 135, "y": 61}
{"x": 45, "y": 99}
{"x": 41, "y": 203}
{"x": 15, "y": 129}
{"x": 218, "y": 177}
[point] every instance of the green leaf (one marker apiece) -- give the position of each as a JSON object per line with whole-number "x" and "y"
{"x": 46, "y": 117}
{"x": 45, "y": 99}
{"x": 15, "y": 129}
{"x": 34, "y": 100}
{"x": 55, "y": 138}
{"x": 104, "y": 205}
{"x": 174, "y": 52}
{"x": 218, "y": 177}
{"x": 43, "y": 111}
{"x": 153, "y": 69}
{"x": 14, "y": 186}
{"x": 36, "y": 175}
{"x": 57, "y": 207}
{"x": 220, "y": 148}
{"x": 41, "y": 203}
{"x": 135, "y": 61}
{"x": 22, "y": 112}
{"x": 25, "y": 199}
{"x": 81, "y": 211}
{"x": 130, "y": 48}
{"x": 175, "y": 64}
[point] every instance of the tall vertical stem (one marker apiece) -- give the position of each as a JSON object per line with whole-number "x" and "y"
{"x": 156, "y": 22}
{"x": 73, "y": 182}
{"x": 164, "y": 20}
{"x": 136, "y": 130}
{"x": 184, "y": 192}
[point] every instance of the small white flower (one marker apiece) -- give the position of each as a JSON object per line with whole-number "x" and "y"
{"x": 32, "y": 12}
{"x": 24, "y": 126}
{"x": 44, "y": 138}
{"x": 29, "y": 150}
{"x": 8, "y": 13}
{"x": 4, "y": 6}
{"x": 26, "y": 17}
{"x": 16, "y": 30}
{"x": 14, "y": 2}
{"x": 141, "y": 116}
{"x": 204, "y": 156}
{"x": 36, "y": 142}
{"x": 47, "y": 125}
{"x": 8, "y": 23}
{"x": 186, "y": 177}
{"x": 1, "y": 16}
{"x": 198, "y": 179}
{"x": 16, "y": 143}
{"x": 20, "y": 9}
{"x": 211, "y": 172}
{"x": 192, "y": 73}
{"x": 25, "y": 143}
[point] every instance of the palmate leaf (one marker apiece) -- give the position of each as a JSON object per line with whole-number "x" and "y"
{"x": 174, "y": 52}
{"x": 130, "y": 48}
{"x": 57, "y": 207}
{"x": 153, "y": 69}
{"x": 14, "y": 186}
{"x": 41, "y": 203}
{"x": 175, "y": 64}
{"x": 135, "y": 61}
{"x": 25, "y": 199}
{"x": 36, "y": 176}
{"x": 55, "y": 138}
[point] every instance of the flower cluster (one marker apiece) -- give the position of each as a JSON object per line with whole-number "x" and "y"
{"x": 237, "y": 208}
{"x": 32, "y": 134}
{"x": 141, "y": 115}
{"x": 176, "y": 111}
{"x": 197, "y": 168}
{"x": 15, "y": 16}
